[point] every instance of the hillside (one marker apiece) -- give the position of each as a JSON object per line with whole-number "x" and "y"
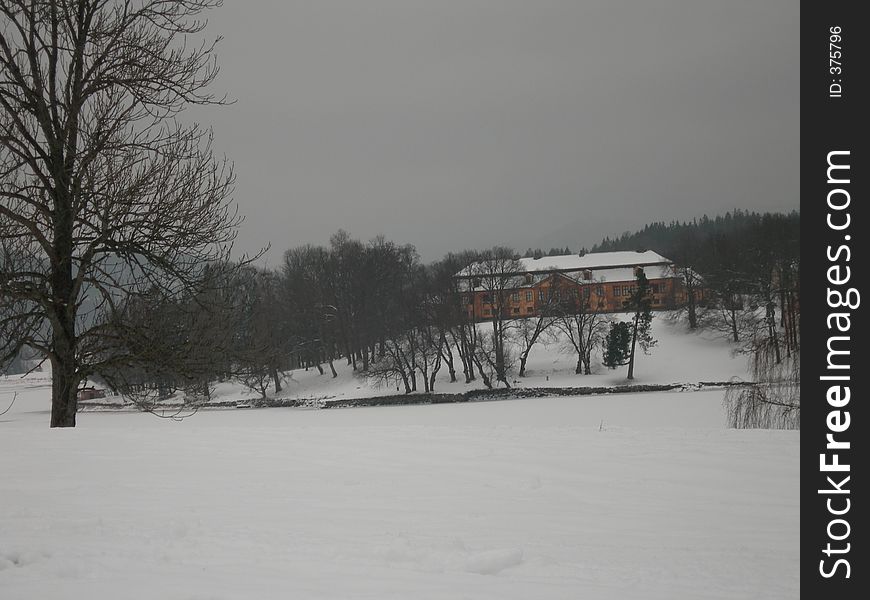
{"x": 680, "y": 356}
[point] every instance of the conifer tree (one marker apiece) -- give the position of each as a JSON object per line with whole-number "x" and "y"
{"x": 616, "y": 345}
{"x": 623, "y": 338}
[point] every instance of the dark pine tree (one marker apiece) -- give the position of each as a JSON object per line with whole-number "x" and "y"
{"x": 617, "y": 345}
{"x": 641, "y": 303}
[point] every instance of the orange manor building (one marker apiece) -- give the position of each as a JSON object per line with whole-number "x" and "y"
{"x": 602, "y": 281}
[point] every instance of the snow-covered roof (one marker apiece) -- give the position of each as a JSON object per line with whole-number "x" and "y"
{"x": 605, "y": 266}
{"x": 623, "y": 274}
{"x": 517, "y": 282}
{"x": 592, "y": 260}
{"x": 611, "y": 275}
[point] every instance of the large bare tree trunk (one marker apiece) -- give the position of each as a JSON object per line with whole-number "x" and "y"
{"x": 64, "y": 372}
{"x": 692, "y": 308}
{"x": 64, "y": 391}
{"x": 448, "y": 358}
{"x": 498, "y": 347}
{"x": 483, "y": 376}
{"x": 276, "y": 378}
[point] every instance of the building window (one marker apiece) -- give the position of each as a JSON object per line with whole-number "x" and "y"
{"x": 486, "y": 312}
{"x": 542, "y": 294}
{"x": 516, "y": 311}
{"x": 529, "y": 296}
{"x": 530, "y": 309}
{"x": 599, "y": 290}
{"x": 515, "y": 296}
{"x": 617, "y": 291}
{"x": 486, "y": 298}
{"x": 586, "y": 293}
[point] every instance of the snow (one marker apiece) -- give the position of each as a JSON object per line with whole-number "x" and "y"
{"x": 625, "y": 274}
{"x": 592, "y": 260}
{"x": 630, "y": 496}
{"x": 701, "y": 357}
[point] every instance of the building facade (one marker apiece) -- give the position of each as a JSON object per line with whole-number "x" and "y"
{"x": 599, "y": 282}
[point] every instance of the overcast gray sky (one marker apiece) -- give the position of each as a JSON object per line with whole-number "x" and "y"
{"x": 466, "y": 123}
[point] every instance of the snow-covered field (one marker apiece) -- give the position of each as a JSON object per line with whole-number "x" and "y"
{"x": 631, "y": 496}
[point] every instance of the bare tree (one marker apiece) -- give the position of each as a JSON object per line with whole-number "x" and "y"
{"x": 536, "y": 329}
{"x": 154, "y": 346}
{"x": 397, "y": 314}
{"x": 584, "y": 329}
{"x": 261, "y": 346}
{"x": 105, "y": 193}
{"x": 486, "y": 354}
{"x": 417, "y": 350}
{"x": 773, "y": 400}
{"x": 498, "y": 273}
{"x": 446, "y": 312}
{"x": 255, "y": 376}
{"x": 395, "y": 365}
{"x": 431, "y": 354}
{"x": 464, "y": 332}
{"x": 731, "y": 314}
{"x": 693, "y": 285}
{"x": 309, "y": 305}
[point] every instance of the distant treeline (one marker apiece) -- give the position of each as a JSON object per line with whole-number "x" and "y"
{"x": 706, "y": 241}
{"x": 709, "y": 243}
{"x": 740, "y": 259}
